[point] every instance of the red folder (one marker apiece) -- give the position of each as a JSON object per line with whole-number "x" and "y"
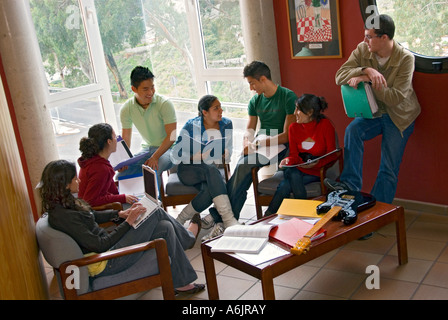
{"x": 290, "y": 232}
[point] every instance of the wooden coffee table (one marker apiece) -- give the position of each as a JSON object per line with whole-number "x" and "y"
{"x": 337, "y": 235}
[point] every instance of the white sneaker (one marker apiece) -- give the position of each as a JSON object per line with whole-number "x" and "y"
{"x": 207, "y": 222}
{"x": 217, "y": 230}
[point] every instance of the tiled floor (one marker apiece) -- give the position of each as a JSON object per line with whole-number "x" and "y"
{"x": 341, "y": 274}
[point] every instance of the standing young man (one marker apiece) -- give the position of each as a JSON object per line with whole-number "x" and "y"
{"x": 389, "y": 67}
{"x": 155, "y": 119}
{"x": 274, "y": 106}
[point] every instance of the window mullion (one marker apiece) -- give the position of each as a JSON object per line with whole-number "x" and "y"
{"x": 96, "y": 51}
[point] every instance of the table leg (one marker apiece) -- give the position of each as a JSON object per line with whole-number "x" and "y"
{"x": 400, "y": 228}
{"x": 267, "y": 284}
{"x": 210, "y": 275}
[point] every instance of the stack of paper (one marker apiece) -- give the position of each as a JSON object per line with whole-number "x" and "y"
{"x": 299, "y": 208}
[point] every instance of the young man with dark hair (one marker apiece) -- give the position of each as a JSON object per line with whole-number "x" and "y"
{"x": 274, "y": 106}
{"x": 389, "y": 67}
{"x": 155, "y": 119}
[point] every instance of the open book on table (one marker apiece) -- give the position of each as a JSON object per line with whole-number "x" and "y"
{"x": 310, "y": 161}
{"x": 243, "y": 238}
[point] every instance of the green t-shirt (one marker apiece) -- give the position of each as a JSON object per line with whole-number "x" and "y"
{"x": 272, "y": 111}
{"x": 151, "y": 122}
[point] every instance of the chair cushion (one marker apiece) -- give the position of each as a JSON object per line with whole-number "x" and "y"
{"x": 58, "y": 247}
{"x": 174, "y": 187}
{"x": 146, "y": 265}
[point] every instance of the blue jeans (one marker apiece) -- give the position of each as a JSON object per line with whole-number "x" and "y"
{"x": 164, "y": 164}
{"x": 241, "y": 179}
{"x": 158, "y": 225}
{"x": 294, "y": 182}
{"x": 393, "y": 144}
{"x": 206, "y": 178}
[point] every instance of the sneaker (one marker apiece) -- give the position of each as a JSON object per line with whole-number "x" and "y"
{"x": 207, "y": 222}
{"x": 335, "y": 185}
{"x": 217, "y": 230}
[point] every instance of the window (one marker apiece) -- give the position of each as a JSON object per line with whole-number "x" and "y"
{"x": 78, "y": 87}
{"x": 89, "y": 48}
{"x": 421, "y": 27}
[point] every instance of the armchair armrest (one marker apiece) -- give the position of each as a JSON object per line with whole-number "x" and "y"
{"x": 163, "y": 262}
{"x": 158, "y": 244}
{"x": 163, "y": 278}
{"x": 113, "y": 205}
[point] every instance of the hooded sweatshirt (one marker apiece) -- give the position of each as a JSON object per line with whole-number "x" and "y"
{"x": 97, "y": 185}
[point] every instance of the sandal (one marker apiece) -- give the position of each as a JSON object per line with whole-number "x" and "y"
{"x": 196, "y": 288}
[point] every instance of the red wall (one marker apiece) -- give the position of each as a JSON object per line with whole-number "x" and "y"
{"x": 425, "y": 163}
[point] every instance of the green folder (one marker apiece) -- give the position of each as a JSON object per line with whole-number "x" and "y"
{"x": 359, "y": 102}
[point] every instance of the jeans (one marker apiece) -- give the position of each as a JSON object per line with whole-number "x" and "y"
{"x": 294, "y": 182}
{"x": 158, "y": 225}
{"x": 241, "y": 179}
{"x": 393, "y": 144}
{"x": 136, "y": 168}
{"x": 206, "y": 178}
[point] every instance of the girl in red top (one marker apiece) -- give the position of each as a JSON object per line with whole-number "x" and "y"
{"x": 312, "y": 135}
{"x": 97, "y": 185}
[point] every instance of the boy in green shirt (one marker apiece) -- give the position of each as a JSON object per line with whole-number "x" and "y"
{"x": 274, "y": 106}
{"x": 155, "y": 119}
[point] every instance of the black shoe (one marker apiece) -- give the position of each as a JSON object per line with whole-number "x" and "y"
{"x": 196, "y": 288}
{"x": 335, "y": 185}
{"x": 367, "y": 236}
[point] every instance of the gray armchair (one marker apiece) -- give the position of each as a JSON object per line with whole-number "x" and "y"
{"x": 62, "y": 252}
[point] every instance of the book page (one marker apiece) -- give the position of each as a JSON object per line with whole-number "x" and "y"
{"x": 242, "y": 238}
{"x": 121, "y": 154}
{"x": 371, "y": 98}
{"x": 253, "y": 231}
{"x": 269, "y": 252}
{"x": 239, "y": 244}
{"x": 268, "y": 152}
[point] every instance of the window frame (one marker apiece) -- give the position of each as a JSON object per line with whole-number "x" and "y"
{"x": 425, "y": 64}
{"x": 101, "y": 88}
{"x": 205, "y": 75}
